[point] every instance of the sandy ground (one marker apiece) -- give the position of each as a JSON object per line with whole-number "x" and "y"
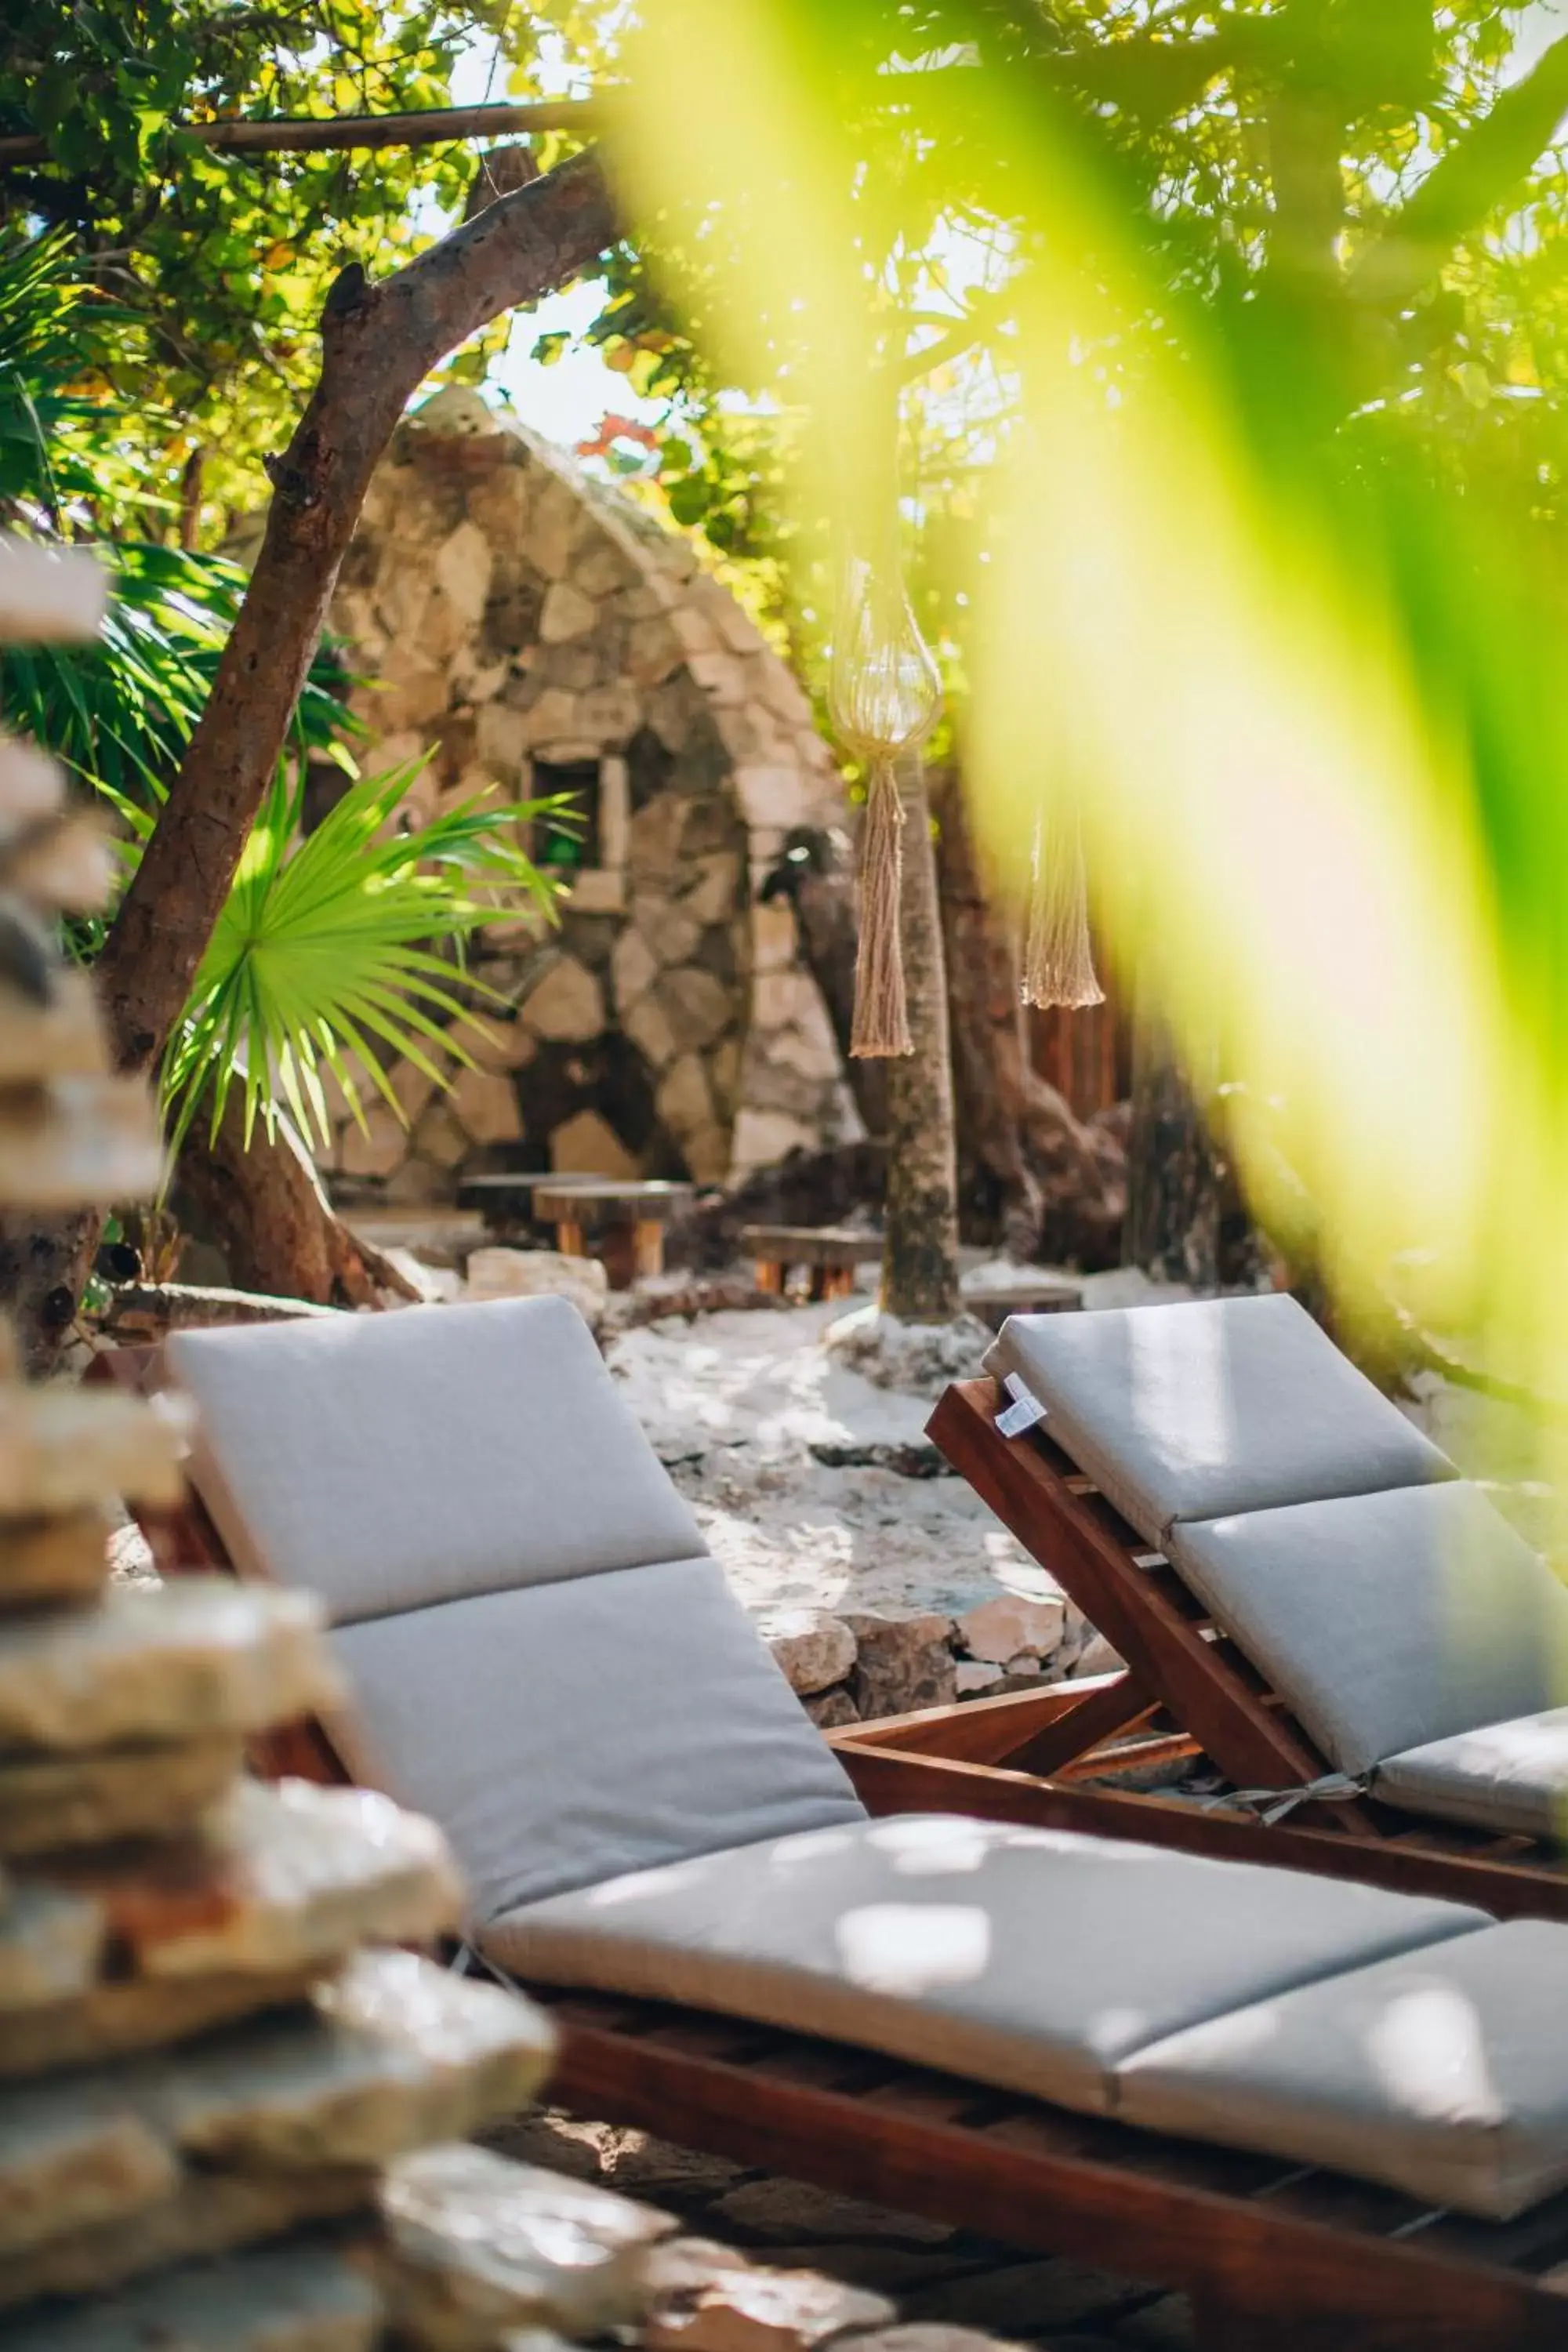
{"x": 733, "y": 1404}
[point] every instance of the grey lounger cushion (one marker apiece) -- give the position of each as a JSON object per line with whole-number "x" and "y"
{"x": 1192, "y": 1411}
{"x": 1507, "y": 1776}
{"x": 389, "y": 1460}
{"x": 564, "y": 1733}
{"x": 1444, "y": 2073}
{"x": 1388, "y": 1621}
{"x": 1030, "y": 1959}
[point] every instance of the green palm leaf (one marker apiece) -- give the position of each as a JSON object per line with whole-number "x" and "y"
{"x": 324, "y": 952}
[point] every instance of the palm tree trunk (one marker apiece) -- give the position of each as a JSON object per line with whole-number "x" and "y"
{"x": 919, "y": 1258}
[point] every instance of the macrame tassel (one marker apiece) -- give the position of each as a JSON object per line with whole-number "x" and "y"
{"x": 1058, "y": 961}
{"x": 881, "y": 1025}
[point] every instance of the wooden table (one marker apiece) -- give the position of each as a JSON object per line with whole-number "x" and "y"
{"x": 831, "y": 1253}
{"x": 1049, "y": 1295}
{"x": 626, "y": 1220}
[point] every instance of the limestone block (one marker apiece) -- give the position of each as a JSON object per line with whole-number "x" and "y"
{"x": 653, "y": 651}
{"x": 764, "y": 1138}
{"x": 609, "y": 713}
{"x": 778, "y": 687}
{"x": 413, "y": 1087}
{"x": 397, "y": 2051}
{"x": 486, "y": 1107}
{"x": 290, "y": 1875}
{"x": 771, "y": 793}
{"x": 599, "y": 568}
{"x": 536, "y": 1274}
{"x": 653, "y": 839}
{"x": 997, "y": 1630}
{"x": 651, "y": 1031}
{"x": 298, "y": 2297}
{"x": 49, "y": 1558}
{"x": 32, "y": 786}
{"x": 903, "y": 1662}
{"x": 974, "y": 1680}
{"x": 672, "y": 930}
{"x": 735, "y": 627}
{"x": 633, "y": 968}
{"x": 440, "y": 1139}
{"x": 814, "y": 1648}
{"x": 51, "y": 1946}
{"x": 199, "y": 1655}
{"x": 501, "y": 1043}
{"x": 693, "y": 626}
{"x": 706, "y": 1151}
{"x": 780, "y": 998}
{"x": 418, "y": 697}
{"x": 717, "y": 892}
{"x": 701, "y": 1007}
{"x": 551, "y": 717}
{"x": 209, "y": 2214}
{"x": 1098, "y": 1656}
{"x": 568, "y": 1005}
{"x": 754, "y": 2310}
{"x": 377, "y": 1147}
{"x": 442, "y": 629}
{"x": 681, "y": 1097}
{"x": 463, "y": 571}
{"x": 721, "y": 675}
{"x": 551, "y": 523}
{"x": 773, "y": 935}
{"x": 78, "y": 1140}
{"x": 476, "y": 2244}
{"x": 502, "y": 736}
{"x": 70, "y": 2158}
{"x": 64, "y": 1449}
{"x": 145, "y": 1790}
{"x": 567, "y": 613}
{"x": 587, "y": 1145}
{"x": 119, "y": 2016}
{"x": 64, "y": 1038}
{"x": 49, "y": 595}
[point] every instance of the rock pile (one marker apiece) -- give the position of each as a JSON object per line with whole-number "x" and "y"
{"x": 224, "y": 2098}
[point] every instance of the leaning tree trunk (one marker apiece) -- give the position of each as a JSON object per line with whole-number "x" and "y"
{"x": 265, "y": 1207}
{"x": 919, "y": 1258}
{"x": 379, "y": 342}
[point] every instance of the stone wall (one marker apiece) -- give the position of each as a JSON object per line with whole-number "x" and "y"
{"x": 530, "y": 628}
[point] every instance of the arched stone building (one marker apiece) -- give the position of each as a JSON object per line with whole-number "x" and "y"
{"x": 530, "y": 626}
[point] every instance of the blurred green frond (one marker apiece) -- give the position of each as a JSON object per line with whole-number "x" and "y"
{"x": 325, "y": 953}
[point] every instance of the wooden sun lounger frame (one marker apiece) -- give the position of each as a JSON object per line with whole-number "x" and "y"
{"x": 1187, "y": 1689}
{"x": 1274, "y": 2254}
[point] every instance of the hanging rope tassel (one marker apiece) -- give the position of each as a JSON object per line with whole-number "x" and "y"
{"x": 881, "y": 1025}
{"x": 1059, "y": 959}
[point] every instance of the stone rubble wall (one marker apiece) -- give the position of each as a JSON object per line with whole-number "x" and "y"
{"x": 513, "y": 612}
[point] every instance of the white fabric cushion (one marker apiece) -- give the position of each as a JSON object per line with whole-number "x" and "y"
{"x": 1030, "y": 1959}
{"x": 1387, "y": 1620}
{"x": 1505, "y": 1777}
{"x": 568, "y": 1732}
{"x": 1444, "y": 2073}
{"x": 389, "y": 1460}
{"x": 1226, "y": 1404}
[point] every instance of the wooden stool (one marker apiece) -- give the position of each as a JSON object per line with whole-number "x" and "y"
{"x": 505, "y": 1199}
{"x": 626, "y": 1220}
{"x": 831, "y": 1252}
{"x": 1049, "y": 1295}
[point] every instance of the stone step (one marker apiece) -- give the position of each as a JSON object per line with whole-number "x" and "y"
{"x": 61, "y": 1039}
{"x": 282, "y": 1888}
{"x": 199, "y": 1655}
{"x": 52, "y": 1946}
{"x": 49, "y": 597}
{"x": 32, "y": 785}
{"x": 478, "y": 2245}
{"x": 66, "y": 867}
{"x": 142, "y": 1790}
{"x": 53, "y": 1559}
{"x": 395, "y": 2052}
{"x": 308, "y": 2296}
{"x": 72, "y": 1142}
{"x": 65, "y": 1450}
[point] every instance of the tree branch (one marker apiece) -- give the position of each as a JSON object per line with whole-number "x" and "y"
{"x": 309, "y": 134}
{"x": 1469, "y": 181}
{"x": 378, "y": 344}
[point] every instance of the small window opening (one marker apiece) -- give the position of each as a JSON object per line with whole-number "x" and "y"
{"x": 570, "y": 842}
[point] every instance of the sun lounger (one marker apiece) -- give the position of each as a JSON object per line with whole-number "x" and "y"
{"x": 544, "y": 1656}
{"x": 1293, "y": 1573}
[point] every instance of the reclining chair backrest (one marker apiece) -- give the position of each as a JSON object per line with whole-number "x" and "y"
{"x": 1380, "y": 1593}
{"x": 542, "y": 1654}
